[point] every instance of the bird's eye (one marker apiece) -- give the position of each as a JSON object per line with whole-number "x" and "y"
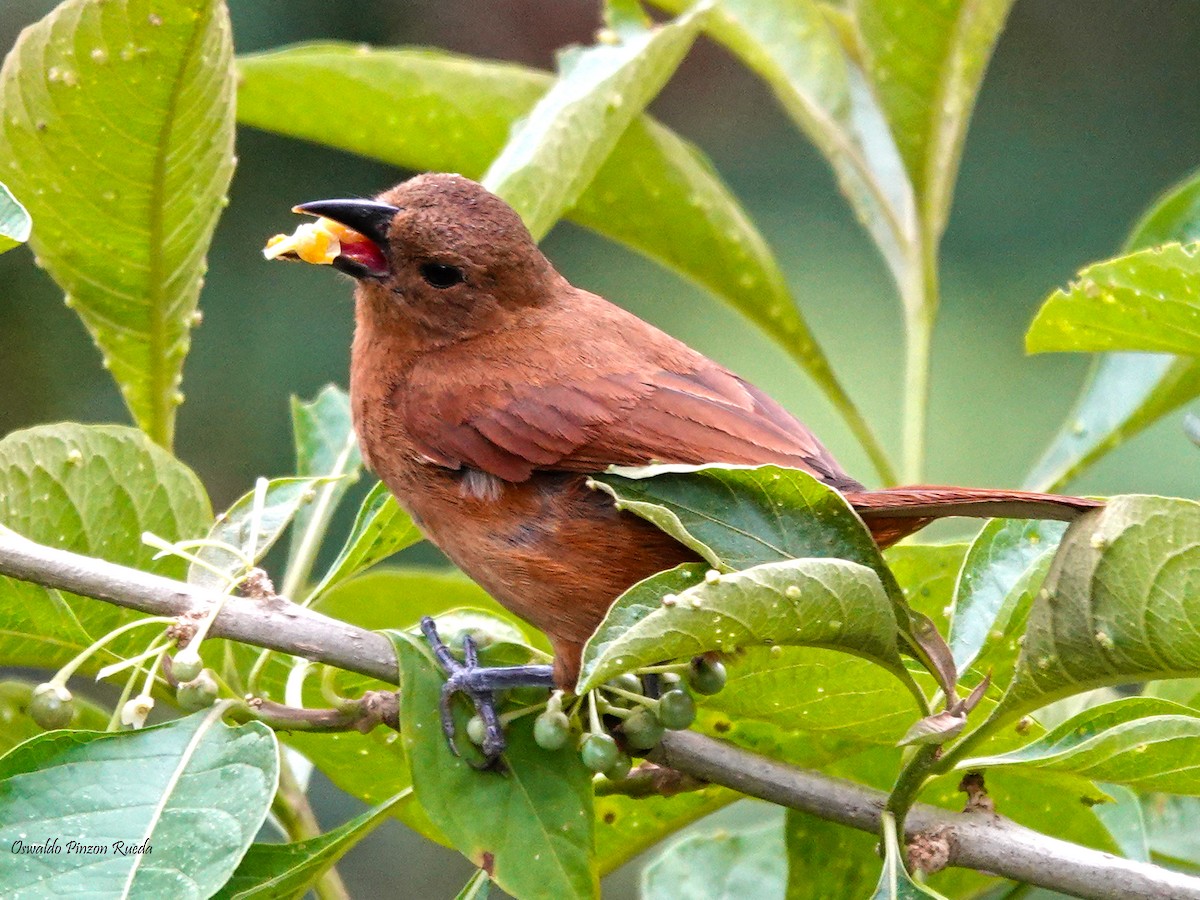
{"x": 440, "y": 275}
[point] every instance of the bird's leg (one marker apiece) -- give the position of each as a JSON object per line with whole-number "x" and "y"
{"x": 479, "y": 684}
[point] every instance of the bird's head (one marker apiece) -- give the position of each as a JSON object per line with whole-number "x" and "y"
{"x": 437, "y": 250}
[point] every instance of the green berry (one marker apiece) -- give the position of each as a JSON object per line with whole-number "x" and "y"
{"x": 599, "y": 752}
{"x": 51, "y": 706}
{"x": 642, "y": 729}
{"x": 476, "y": 731}
{"x": 627, "y": 682}
{"x": 186, "y": 665}
{"x": 706, "y": 676}
{"x": 619, "y": 770}
{"x": 676, "y": 709}
{"x": 199, "y": 693}
{"x": 551, "y": 729}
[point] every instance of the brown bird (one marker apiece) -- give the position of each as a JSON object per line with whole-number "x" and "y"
{"x": 485, "y": 388}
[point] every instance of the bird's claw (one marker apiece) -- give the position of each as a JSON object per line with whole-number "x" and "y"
{"x": 463, "y": 678}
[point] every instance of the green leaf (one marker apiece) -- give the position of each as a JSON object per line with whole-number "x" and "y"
{"x": 720, "y": 865}
{"x": 116, "y": 130}
{"x": 815, "y": 691}
{"x": 1116, "y": 604}
{"x": 15, "y": 223}
{"x": 999, "y": 560}
{"x": 894, "y": 882}
{"x": 277, "y": 871}
{"x": 477, "y": 888}
{"x": 795, "y": 48}
{"x": 371, "y": 767}
{"x": 193, "y": 792}
{"x": 541, "y": 844}
{"x": 555, "y": 152}
{"x": 1141, "y": 742}
{"x": 374, "y": 767}
{"x": 1148, "y": 300}
{"x": 252, "y": 525}
{"x": 737, "y": 516}
{"x": 325, "y": 447}
{"x": 927, "y": 574}
{"x": 1125, "y": 821}
{"x": 1175, "y": 216}
{"x": 1001, "y": 647}
{"x": 628, "y": 826}
{"x": 655, "y": 193}
{"x": 926, "y": 62}
{"x": 1125, "y": 392}
{"x": 1171, "y": 828}
{"x": 92, "y": 489}
{"x": 830, "y": 603}
{"x": 16, "y": 725}
{"x": 380, "y": 529}
{"x": 827, "y": 860}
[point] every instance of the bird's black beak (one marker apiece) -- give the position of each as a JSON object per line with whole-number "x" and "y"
{"x": 368, "y": 218}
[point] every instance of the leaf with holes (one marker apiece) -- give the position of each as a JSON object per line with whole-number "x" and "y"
{"x": 829, "y": 603}
{"x": 192, "y": 793}
{"x": 15, "y": 223}
{"x": 92, "y": 489}
{"x": 1148, "y": 300}
{"x": 739, "y": 516}
{"x": 1126, "y": 392}
{"x": 1142, "y": 742}
{"x": 808, "y": 690}
{"x": 1117, "y": 605}
{"x": 116, "y": 130}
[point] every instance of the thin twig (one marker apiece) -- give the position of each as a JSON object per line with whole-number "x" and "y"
{"x": 981, "y": 841}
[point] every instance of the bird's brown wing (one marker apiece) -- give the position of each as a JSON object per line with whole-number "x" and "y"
{"x": 534, "y": 411}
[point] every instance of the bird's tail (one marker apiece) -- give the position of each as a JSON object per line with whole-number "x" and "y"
{"x": 895, "y": 513}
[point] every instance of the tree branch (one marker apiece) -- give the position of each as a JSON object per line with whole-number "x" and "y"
{"x": 982, "y": 841}
{"x": 274, "y": 624}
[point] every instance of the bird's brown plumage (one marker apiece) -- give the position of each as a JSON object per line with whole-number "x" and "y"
{"x": 484, "y": 404}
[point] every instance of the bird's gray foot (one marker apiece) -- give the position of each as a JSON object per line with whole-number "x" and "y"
{"x": 480, "y": 685}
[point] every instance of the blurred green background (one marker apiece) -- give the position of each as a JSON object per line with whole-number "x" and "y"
{"x": 1088, "y": 111}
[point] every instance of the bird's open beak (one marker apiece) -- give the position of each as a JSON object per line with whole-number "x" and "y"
{"x": 350, "y": 235}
